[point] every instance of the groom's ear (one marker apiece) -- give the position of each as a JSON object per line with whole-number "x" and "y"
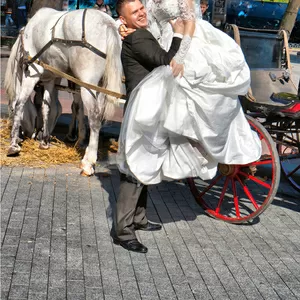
{"x": 123, "y": 20}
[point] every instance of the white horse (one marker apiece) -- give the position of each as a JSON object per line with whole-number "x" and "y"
{"x": 100, "y": 31}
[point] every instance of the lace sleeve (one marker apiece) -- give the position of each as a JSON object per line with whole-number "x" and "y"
{"x": 187, "y": 10}
{"x": 187, "y": 13}
{"x": 153, "y": 25}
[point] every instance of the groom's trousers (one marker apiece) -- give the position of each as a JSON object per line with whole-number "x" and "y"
{"x": 130, "y": 208}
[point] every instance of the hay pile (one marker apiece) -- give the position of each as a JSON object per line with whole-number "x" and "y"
{"x": 32, "y": 156}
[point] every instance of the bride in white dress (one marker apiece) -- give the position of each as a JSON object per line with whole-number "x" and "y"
{"x": 182, "y": 127}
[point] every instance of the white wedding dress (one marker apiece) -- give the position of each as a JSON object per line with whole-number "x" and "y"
{"x": 183, "y": 127}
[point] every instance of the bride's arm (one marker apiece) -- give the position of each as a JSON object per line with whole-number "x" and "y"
{"x": 187, "y": 14}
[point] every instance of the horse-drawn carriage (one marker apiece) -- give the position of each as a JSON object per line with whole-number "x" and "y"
{"x": 238, "y": 193}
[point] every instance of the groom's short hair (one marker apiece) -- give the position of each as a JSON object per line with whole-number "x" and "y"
{"x": 120, "y": 4}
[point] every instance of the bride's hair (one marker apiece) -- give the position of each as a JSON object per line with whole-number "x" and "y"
{"x": 120, "y": 4}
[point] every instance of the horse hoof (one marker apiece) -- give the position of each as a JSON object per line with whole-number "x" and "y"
{"x": 44, "y": 146}
{"x": 82, "y": 173}
{"x": 70, "y": 139}
{"x": 86, "y": 170}
{"x": 13, "y": 151}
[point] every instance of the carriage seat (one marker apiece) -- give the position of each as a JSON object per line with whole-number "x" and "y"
{"x": 267, "y": 54}
{"x": 290, "y": 106}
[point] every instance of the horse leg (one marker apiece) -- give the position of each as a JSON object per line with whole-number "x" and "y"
{"x": 71, "y": 136}
{"x": 55, "y": 110}
{"x": 77, "y": 115}
{"x": 38, "y": 101}
{"x": 28, "y": 122}
{"x": 24, "y": 95}
{"x": 95, "y": 109}
{"x": 80, "y": 118}
{"x": 46, "y": 107}
{"x": 72, "y": 132}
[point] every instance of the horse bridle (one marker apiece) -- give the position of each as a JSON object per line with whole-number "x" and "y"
{"x": 83, "y": 42}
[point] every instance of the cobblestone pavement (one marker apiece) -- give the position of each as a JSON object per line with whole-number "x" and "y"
{"x": 55, "y": 228}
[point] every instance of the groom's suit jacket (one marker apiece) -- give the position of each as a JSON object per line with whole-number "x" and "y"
{"x": 141, "y": 53}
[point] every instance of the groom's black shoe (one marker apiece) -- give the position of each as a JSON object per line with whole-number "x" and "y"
{"x": 148, "y": 227}
{"x": 132, "y": 245}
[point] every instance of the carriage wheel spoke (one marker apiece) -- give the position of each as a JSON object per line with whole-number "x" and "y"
{"x": 255, "y": 179}
{"x": 210, "y": 186}
{"x": 222, "y": 195}
{"x": 235, "y": 199}
{"x": 248, "y": 193}
{"x": 293, "y": 172}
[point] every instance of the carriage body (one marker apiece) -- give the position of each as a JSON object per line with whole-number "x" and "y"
{"x": 276, "y": 95}
{"x": 239, "y": 194}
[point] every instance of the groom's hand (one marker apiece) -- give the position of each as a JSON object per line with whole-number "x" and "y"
{"x": 177, "y": 69}
{"x": 124, "y": 31}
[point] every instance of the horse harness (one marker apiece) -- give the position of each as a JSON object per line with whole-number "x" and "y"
{"x": 83, "y": 42}
{"x": 27, "y": 59}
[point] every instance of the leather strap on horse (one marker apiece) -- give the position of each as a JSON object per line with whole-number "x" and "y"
{"x": 79, "y": 82}
{"x": 82, "y": 42}
{"x": 237, "y": 38}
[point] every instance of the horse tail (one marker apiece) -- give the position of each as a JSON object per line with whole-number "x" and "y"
{"x": 113, "y": 69}
{"x": 13, "y": 74}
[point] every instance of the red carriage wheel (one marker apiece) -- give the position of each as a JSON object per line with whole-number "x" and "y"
{"x": 239, "y": 193}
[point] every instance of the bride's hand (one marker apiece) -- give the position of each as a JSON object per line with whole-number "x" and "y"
{"x": 177, "y": 69}
{"x": 177, "y": 25}
{"x": 124, "y": 31}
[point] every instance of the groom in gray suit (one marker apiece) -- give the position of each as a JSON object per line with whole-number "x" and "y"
{"x": 141, "y": 53}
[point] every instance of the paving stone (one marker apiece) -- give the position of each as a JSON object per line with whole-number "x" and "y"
{"x": 22, "y": 266}
{"x": 148, "y": 290}
{"x": 75, "y": 286}
{"x": 75, "y": 296}
{"x": 75, "y": 274}
{"x": 11, "y": 241}
{"x": 7, "y": 261}
{"x": 6, "y": 276}
{"x": 4, "y": 295}
{"x": 37, "y": 296}
{"x": 57, "y": 278}
{"x": 55, "y": 293}
{"x": 38, "y": 286}
{"x": 93, "y": 281}
{"x": 20, "y": 278}
{"x": 14, "y": 231}
{"x": 94, "y": 294}
{"x": 18, "y": 291}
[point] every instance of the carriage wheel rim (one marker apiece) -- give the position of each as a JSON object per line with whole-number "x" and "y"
{"x": 271, "y": 159}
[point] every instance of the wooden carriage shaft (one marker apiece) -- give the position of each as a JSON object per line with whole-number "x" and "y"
{"x": 64, "y": 88}
{"x": 79, "y": 82}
